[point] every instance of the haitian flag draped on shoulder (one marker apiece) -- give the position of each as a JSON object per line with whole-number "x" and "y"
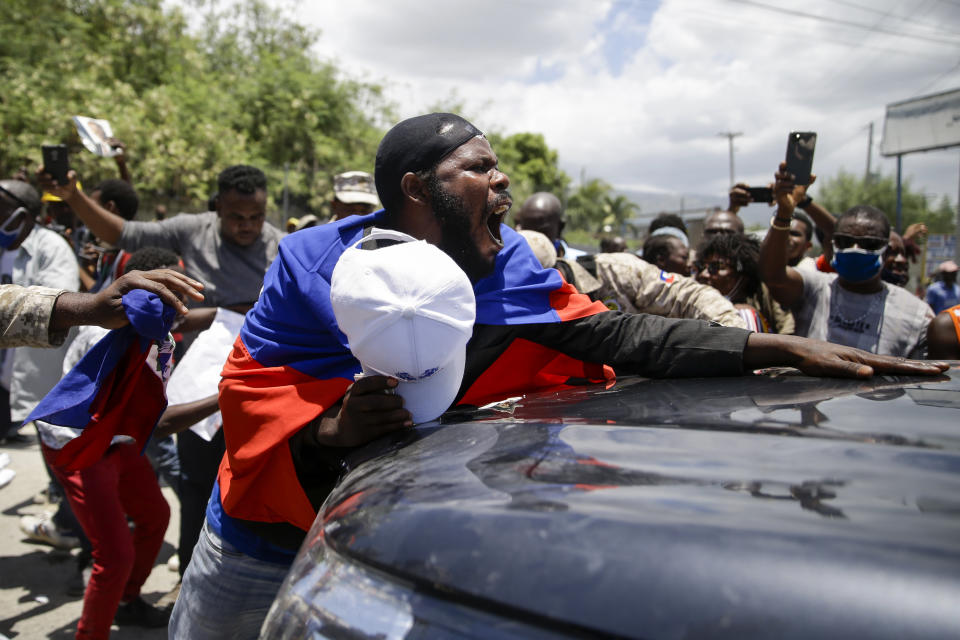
{"x": 117, "y": 389}
{"x": 291, "y": 362}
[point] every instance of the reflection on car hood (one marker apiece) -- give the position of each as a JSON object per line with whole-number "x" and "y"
{"x": 775, "y": 505}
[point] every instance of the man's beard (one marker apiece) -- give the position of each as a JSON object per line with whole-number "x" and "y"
{"x": 455, "y": 234}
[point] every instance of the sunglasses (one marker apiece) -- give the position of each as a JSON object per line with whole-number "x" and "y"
{"x": 714, "y": 266}
{"x": 868, "y": 243}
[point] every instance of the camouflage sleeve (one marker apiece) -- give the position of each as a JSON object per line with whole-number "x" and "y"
{"x": 644, "y": 288}
{"x": 25, "y": 317}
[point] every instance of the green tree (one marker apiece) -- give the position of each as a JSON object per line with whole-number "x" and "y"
{"x": 531, "y": 165}
{"x": 618, "y": 210}
{"x": 845, "y": 190}
{"x": 245, "y": 90}
{"x": 587, "y": 205}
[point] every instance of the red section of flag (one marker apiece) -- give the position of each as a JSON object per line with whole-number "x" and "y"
{"x": 526, "y": 367}
{"x": 129, "y": 402}
{"x": 570, "y": 304}
{"x": 262, "y": 407}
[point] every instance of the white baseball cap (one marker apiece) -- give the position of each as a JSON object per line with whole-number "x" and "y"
{"x": 408, "y": 312}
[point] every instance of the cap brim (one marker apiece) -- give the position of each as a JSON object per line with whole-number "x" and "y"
{"x": 426, "y": 400}
{"x": 353, "y": 197}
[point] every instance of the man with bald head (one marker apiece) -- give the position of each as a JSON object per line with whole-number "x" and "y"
{"x": 721, "y": 222}
{"x": 292, "y": 405}
{"x": 543, "y": 212}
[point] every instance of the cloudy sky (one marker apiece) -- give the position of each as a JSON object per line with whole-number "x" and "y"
{"x": 637, "y": 91}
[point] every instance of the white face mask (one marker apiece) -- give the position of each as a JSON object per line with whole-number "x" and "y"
{"x": 12, "y": 228}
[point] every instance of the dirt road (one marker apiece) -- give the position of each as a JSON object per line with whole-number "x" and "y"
{"x": 33, "y": 577}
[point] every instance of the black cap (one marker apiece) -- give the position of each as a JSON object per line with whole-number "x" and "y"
{"x": 417, "y": 144}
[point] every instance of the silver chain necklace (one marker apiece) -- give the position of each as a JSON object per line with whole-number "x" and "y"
{"x": 835, "y": 303}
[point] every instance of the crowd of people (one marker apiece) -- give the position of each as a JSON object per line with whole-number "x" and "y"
{"x": 295, "y": 395}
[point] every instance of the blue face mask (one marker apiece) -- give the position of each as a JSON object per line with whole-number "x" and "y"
{"x": 857, "y": 265}
{"x": 9, "y": 235}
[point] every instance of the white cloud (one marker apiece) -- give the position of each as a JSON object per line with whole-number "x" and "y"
{"x": 637, "y": 96}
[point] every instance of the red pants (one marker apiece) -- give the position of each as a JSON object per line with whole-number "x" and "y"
{"x": 120, "y": 484}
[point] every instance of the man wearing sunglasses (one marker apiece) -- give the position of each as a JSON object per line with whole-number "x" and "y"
{"x": 854, "y": 306}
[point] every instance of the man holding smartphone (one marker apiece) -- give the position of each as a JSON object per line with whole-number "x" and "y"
{"x": 854, "y": 306}
{"x": 228, "y": 250}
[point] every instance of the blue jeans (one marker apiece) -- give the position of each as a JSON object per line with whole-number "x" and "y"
{"x": 225, "y": 594}
{"x": 162, "y": 453}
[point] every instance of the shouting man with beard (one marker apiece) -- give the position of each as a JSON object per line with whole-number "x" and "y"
{"x": 292, "y": 410}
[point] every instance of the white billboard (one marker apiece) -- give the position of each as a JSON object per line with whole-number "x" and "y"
{"x": 922, "y": 124}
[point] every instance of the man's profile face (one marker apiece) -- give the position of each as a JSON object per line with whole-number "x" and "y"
{"x": 678, "y": 260}
{"x": 241, "y": 216}
{"x": 722, "y": 222}
{"x": 797, "y": 243}
{"x": 470, "y": 200}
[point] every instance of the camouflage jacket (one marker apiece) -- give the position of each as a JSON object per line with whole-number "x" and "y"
{"x": 25, "y": 317}
{"x": 627, "y": 283}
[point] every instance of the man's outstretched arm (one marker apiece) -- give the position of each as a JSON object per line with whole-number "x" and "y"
{"x": 819, "y": 358}
{"x": 104, "y": 224}
{"x": 105, "y": 308}
{"x": 784, "y": 282}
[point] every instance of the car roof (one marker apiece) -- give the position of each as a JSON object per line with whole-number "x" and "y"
{"x": 794, "y": 505}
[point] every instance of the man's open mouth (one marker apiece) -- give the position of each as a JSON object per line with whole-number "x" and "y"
{"x": 495, "y": 218}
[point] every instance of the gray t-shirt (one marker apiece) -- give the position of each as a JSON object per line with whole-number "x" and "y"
{"x": 889, "y": 322}
{"x": 231, "y": 274}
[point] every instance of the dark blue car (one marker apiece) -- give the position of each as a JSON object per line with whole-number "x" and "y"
{"x": 767, "y": 506}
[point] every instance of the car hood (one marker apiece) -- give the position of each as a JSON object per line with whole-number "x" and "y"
{"x": 721, "y": 507}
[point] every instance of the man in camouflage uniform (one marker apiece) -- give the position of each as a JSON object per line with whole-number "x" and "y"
{"x": 40, "y": 316}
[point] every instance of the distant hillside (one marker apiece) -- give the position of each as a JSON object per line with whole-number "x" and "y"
{"x": 692, "y": 204}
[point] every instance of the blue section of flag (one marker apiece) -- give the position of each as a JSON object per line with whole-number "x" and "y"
{"x": 518, "y": 291}
{"x": 293, "y": 323}
{"x": 68, "y": 403}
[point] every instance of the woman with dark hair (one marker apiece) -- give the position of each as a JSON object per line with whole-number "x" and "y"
{"x": 729, "y": 262}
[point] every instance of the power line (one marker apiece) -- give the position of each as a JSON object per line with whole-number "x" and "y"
{"x": 846, "y": 23}
{"x": 724, "y": 19}
{"x": 920, "y": 23}
{"x": 937, "y": 81}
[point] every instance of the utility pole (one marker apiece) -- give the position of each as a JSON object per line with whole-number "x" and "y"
{"x": 866, "y": 178}
{"x": 730, "y": 135}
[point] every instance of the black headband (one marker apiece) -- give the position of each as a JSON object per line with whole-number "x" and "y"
{"x": 414, "y": 145}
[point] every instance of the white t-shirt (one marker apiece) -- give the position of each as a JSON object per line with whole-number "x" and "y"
{"x": 889, "y": 322}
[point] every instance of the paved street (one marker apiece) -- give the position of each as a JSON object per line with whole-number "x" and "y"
{"x": 33, "y": 593}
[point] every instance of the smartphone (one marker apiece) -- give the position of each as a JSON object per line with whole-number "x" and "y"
{"x": 55, "y": 162}
{"x": 760, "y": 194}
{"x": 800, "y": 147}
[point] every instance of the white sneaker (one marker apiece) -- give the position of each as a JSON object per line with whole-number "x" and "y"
{"x": 6, "y": 475}
{"x": 4, "y": 459}
{"x": 42, "y": 529}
